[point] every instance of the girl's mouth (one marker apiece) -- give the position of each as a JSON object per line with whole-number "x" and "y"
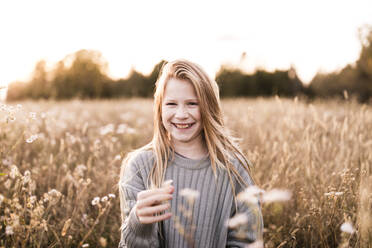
{"x": 183, "y": 126}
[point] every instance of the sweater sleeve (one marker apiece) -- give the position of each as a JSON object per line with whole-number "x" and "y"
{"x": 253, "y": 229}
{"x": 134, "y": 233}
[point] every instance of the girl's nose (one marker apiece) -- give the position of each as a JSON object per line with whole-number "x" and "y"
{"x": 181, "y": 112}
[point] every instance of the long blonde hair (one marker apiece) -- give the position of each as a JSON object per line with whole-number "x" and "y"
{"x": 222, "y": 147}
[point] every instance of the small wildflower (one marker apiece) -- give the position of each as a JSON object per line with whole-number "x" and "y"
{"x": 104, "y": 199}
{"x": 117, "y": 157}
{"x": 9, "y": 230}
{"x": 54, "y": 196}
{"x": 14, "y": 172}
{"x": 275, "y": 195}
{"x": 32, "y": 138}
{"x": 32, "y": 115}
{"x": 190, "y": 194}
{"x": 32, "y": 199}
{"x": 27, "y": 177}
{"x": 121, "y": 128}
{"x": 7, "y": 162}
{"x": 106, "y": 129}
{"x": 111, "y": 196}
{"x": 250, "y": 195}
{"x": 332, "y": 193}
{"x": 347, "y": 227}
{"x": 237, "y": 220}
{"x": 167, "y": 183}
{"x": 85, "y": 245}
{"x": 95, "y": 200}
{"x": 79, "y": 170}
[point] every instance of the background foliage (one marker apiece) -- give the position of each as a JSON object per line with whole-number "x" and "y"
{"x": 84, "y": 75}
{"x": 58, "y": 157}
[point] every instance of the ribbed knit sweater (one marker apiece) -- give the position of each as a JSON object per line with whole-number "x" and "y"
{"x": 210, "y": 213}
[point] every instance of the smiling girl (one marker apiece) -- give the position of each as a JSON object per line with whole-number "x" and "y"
{"x": 192, "y": 147}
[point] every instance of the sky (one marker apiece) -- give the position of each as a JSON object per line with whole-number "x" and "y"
{"x": 311, "y": 36}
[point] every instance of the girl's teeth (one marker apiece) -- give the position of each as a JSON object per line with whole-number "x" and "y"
{"x": 183, "y": 125}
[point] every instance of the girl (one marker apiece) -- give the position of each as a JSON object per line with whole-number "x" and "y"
{"x": 192, "y": 147}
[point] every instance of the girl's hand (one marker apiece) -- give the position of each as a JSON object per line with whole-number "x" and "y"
{"x": 151, "y": 203}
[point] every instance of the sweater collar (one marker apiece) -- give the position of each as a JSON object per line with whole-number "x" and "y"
{"x": 188, "y": 163}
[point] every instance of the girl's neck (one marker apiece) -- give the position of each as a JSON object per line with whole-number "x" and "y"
{"x": 195, "y": 150}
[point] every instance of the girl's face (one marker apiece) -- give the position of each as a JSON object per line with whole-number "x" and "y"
{"x": 181, "y": 112}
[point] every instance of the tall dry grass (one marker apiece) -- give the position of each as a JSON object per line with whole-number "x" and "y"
{"x": 60, "y": 164}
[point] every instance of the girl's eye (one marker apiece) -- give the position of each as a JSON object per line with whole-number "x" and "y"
{"x": 170, "y": 103}
{"x": 193, "y": 103}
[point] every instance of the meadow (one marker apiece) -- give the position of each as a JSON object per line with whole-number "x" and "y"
{"x": 60, "y": 163}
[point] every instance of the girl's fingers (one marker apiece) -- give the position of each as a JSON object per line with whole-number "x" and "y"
{"x": 153, "y": 200}
{"x": 153, "y": 219}
{"x": 150, "y": 211}
{"x": 146, "y": 193}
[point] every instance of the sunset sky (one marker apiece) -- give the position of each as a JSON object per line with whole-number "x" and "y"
{"x": 310, "y": 35}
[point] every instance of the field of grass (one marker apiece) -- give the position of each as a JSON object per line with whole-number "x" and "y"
{"x": 57, "y": 157}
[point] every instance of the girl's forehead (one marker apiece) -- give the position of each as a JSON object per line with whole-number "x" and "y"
{"x": 176, "y": 88}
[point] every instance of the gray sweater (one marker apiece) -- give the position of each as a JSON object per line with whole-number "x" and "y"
{"x": 210, "y": 212}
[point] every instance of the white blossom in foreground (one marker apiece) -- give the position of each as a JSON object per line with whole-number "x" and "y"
{"x": 250, "y": 195}
{"x": 32, "y": 138}
{"x": 347, "y": 227}
{"x": 190, "y": 194}
{"x": 237, "y": 220}
{"x": 95, "y": 201}
{"x": 85, "y": 245}
{"x": 111, "y": 195}
{"x": 9, "y": 230}
{"x": 276, "y": 195}
{"x": 104, "y": 199}
{"x": 167, "y": 183}
{"x": 332, "y": 193}
{"x": 107, "y": 129}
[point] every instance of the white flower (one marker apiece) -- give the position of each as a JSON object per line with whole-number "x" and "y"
{"x": 9, "y": 230}
{"x": 275, "y": 195}
{"x": 104, "y": 199}
{"x": 111, "y": 196}
{"x": 238, "y": 220}
{"x": 14, "y": 172}
{"x": 53, "y": 196}
{"x": 95, "y": 200}
{"x": 85, "y": 245}
{"x": 121, "y": 128}
{"x": 167, "y": 183}
{"x": 190, "y": 194}
{"x": 347, "y": 227}
{"x": 332, "y": 193}
{"x": 117, "y": 157}
{"x": 107, "y": 129}
{"x": 32, "y": 115}
{"x": 250, "y": 195}
{"x": 26, "y": 177}
{"x": 32, "y": 138}
{"x": 32, "y": 199}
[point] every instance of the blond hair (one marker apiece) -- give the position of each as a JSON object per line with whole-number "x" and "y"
{"x": 221, "y": 146}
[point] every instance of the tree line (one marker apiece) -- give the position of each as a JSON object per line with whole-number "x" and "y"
{"x": 84, "y": 75}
